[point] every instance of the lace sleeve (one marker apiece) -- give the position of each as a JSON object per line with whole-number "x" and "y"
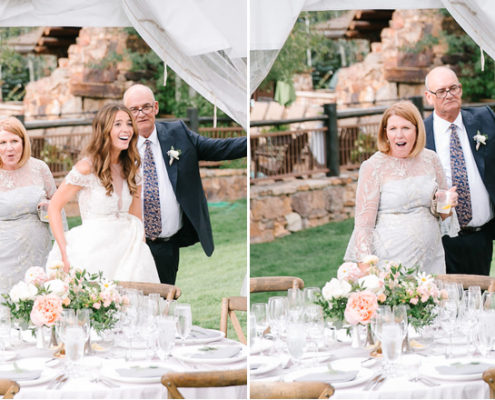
{"x": 439, "y": 172}
{"x": 74, "y": 177}
{"x": 367, "y": 201}
{"x": 48, "y": 181}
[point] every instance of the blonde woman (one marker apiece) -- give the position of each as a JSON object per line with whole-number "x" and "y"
{"x": 395, "y": 217}
{"x": 108, "y": 183}
{"x": 25, "y": 184}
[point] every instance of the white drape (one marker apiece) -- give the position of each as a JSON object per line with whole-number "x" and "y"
{"x": 203, "y": 41}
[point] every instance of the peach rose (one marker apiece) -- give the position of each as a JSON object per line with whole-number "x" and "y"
{"x": 36, "y": 276}
{"x": 349, "y": 271}
{"x": 361, "y": 307}
{"x": 46, "y": 310}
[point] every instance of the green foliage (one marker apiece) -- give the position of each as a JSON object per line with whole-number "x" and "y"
{"x": 51, "y": 154}
{"x": 364, "y": 147}
{"x": 106, "y": 62}
{"x": 425, "y": 43}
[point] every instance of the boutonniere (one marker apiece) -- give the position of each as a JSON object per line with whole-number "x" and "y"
{"x": 173, "y": 153}
{"x": 479, "y": 138}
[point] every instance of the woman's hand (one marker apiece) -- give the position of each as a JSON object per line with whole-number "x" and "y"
{"x": 454, "y": 196}
{"x": 66, "y": 262}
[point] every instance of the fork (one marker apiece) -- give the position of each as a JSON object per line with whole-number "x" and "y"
{"x": 55, "y": 381}
{"x": 373, "y": 381}
{"x": 424, "y": 380}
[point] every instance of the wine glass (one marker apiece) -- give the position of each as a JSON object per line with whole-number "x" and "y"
{"x": 260, "y": 311}
{"x": 295, "y": 303}
{"x": 277, "y": 314}
{"x": 391, "y": 337}
{"x": 5, "y": 327}
{"x": 296, "y": 340}
{"x": 314, "y": 323}
{"x": 310, "y": 294}
{"x": 382, "y": 314}
{"x": 167, "y": 327}
{"x": 447, "y": 317}
{"x": 167, "y": 307}
{"x": 184, "y": 321}
{"x": 474, "y": 299}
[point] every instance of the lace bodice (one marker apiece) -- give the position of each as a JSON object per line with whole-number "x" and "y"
{"x": 93, "y": 199}
{"x": 392, "y": 186}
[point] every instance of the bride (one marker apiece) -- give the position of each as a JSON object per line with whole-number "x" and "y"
{"x": 108, "y": 183}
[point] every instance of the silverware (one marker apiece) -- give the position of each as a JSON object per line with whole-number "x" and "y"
{"x": 55, "y": 381}
{"x": 61, "y": 383}
{"x": 372, "y": 381}
{"x": 379, "y": 383}
{"x": 105, "y": 381}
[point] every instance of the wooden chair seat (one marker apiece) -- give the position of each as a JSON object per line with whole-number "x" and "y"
{"x": 175, "y": 380}
{"x": 274, "y": 283}
{"x": 484, "y": 282}
{"x": 8, "y": 388}
{"x": 290, "y": 390}
{"x": 169, "y": 292}
{"x": 229, "y": 306}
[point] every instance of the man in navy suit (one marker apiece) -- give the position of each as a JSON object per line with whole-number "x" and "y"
{"x": 183, "y": 217}
{"x": 471, "y": 251}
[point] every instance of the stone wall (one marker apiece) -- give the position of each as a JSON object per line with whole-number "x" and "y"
{"x": 280, "y": 208}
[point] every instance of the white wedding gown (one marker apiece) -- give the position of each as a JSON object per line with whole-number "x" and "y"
{"x": 393, "y": 212}
{"x": 109, "y": 239}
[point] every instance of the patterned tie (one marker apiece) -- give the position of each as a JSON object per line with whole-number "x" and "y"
{"x": 151, "y": 195}
{"x": 460, "y": 179}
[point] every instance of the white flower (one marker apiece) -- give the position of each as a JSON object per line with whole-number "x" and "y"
{"x": 424, "y": 279}
{"x": 335, "y": 288}
{"x": 23, "y": 291}
{"x": 479, "y": 138}
{"x": 349, "y": 271}
{"x": 35, "y": 275}
{"x": 371, "y": 260}
{"x": 372, "y": 283}
{"x": 58, "y": 287}
{"x": 173, "y": 153}
{"x": 53, "y": 268}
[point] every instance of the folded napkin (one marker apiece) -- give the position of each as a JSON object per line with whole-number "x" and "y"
{"x": 217, "y": 352}
{"x": 468, "y": 368}
{"x": 21, "y": 375}
{"x": 142, "y": 372}
{"x": 332, "y": 376}
{"x": 199, "y": 333}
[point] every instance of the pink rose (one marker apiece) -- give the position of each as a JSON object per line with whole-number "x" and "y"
{"x": 36, "y": 276}
{"x": 349, "y": 271}
{"x": 46, "y": 310}
{"x": 97, "y": 305}
{"x": 381, "y": 297}
{"x": 361, "y": 307}
{"x": 414, "y": 301}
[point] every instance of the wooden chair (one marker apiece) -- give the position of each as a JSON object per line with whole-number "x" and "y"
{"x": 174, "y": 380}
{"x": 229, "y": 306}
{"x": 290, "y": 390}
{"x": 484, "y": 282}
{"x": 489, "y": 377}
{"x": 169, "y": 292}
{"x": 274, "y": 283}
{"x": 8, "y": 388}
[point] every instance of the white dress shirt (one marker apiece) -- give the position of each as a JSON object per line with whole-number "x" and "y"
{"x": 480, "y": 200}
{"x": 170, "y": 209}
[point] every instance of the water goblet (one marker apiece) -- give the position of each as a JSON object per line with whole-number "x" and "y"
{"x": 310, "y": 294}
{"x": 260, "y": 311}
{"x": 474, "y": 299}
{"x": 277, "y": 315}
{"x": 447, "y": 317}
{"x": 295, "y": 303}
{"x": 75, "y": 339}
{"x": 296, "y": 340}
{"x": 167, "y": 327}
{"x": 252, "y": 329}
{"x": 392, "y": 337}
{"x": 315, "y": 325}
{"x": 184, "y": 321}
{"x": 167, "y": 307}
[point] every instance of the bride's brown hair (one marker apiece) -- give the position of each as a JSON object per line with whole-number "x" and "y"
{"x": 99, "y": 148}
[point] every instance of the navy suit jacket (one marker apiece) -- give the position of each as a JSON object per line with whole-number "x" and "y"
{"x": 475, "y": 119}
{"x": 185, "y": 177}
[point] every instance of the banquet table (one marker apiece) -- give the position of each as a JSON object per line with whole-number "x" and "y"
{"x": 272, "y": 362}
{"x": 106, "y": 362}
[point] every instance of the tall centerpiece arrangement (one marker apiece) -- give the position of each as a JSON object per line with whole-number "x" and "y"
{"x": 354, "y": 296}
{"x": 39, "y": 299}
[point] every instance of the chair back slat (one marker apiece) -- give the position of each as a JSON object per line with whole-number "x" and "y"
{"x": 274, "y": 283}
{"x": 483, "y": 281}
{"x": 169, "y": 292}
{"x": 229, "y": 306}
{"x": 290, "y": 390}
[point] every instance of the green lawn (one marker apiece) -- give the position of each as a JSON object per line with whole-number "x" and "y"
{"x": 205, "y": 280}
{"x": 313, "y": 255}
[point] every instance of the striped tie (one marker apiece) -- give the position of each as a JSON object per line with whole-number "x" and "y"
{"x": 460, "y": 179}
{"x": 151, "y": 195}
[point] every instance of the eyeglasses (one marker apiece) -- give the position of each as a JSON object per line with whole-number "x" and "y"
{"x": 146, "y": 109}
{"x": 454, "y": 90}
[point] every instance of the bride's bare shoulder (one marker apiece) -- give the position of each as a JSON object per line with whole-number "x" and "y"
{"x": 83, "y": 166}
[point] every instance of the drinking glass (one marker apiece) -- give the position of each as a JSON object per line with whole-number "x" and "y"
{"x": 167, "y": 307}
{"x": 447, "y": 317}
{"x": 5, "y": 327}
{"x": 260, "y": 311}
{"x": 488, "y": 301}
{"x": 252, "y": 329}
{"x": 75, "y": 339}
{"x": 167, "y": 327}
{"x": 474, "y": 299}
{"x": 67, "y": 318}
{"x": 392, "y": 337}
{"x": 315, "y": 324}
{"x": 296, "y": 340}
{"x": 277, "y": 314}
{"x": 467, "y": 322}
{"x": 184, "y": 321}
{"x": 382, "y": 315}
{"x": 295, "y": 303}
{"x": 310, "y": 294}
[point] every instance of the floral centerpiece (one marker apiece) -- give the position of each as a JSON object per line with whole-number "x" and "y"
{"x": 354, "y": 296}
{"x": 40, "y": 298}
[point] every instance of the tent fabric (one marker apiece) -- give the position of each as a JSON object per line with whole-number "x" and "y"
{"x": 476, "y": 17}
{"x": 203, "y": 41}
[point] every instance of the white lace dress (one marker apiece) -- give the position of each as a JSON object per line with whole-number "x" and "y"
{"x": 393, "y": 218}
{"x": 109, "y": 238}
{"x": 24, "y": 239}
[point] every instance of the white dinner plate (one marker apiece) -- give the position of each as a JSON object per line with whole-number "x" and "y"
{"x": 344, "y": 364}
{"x": 263, "y": 364}
{"x": 31, "y": 364}
{"x": 260, "y": 345}
{"x": 188, "y": 353}
{"x": 161, "y": 368}
{"x": 455, "y": 340}
{"x": 7, "y": 355}
{"x": 429, "y": 370}
{"x": 210, "y": 335}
